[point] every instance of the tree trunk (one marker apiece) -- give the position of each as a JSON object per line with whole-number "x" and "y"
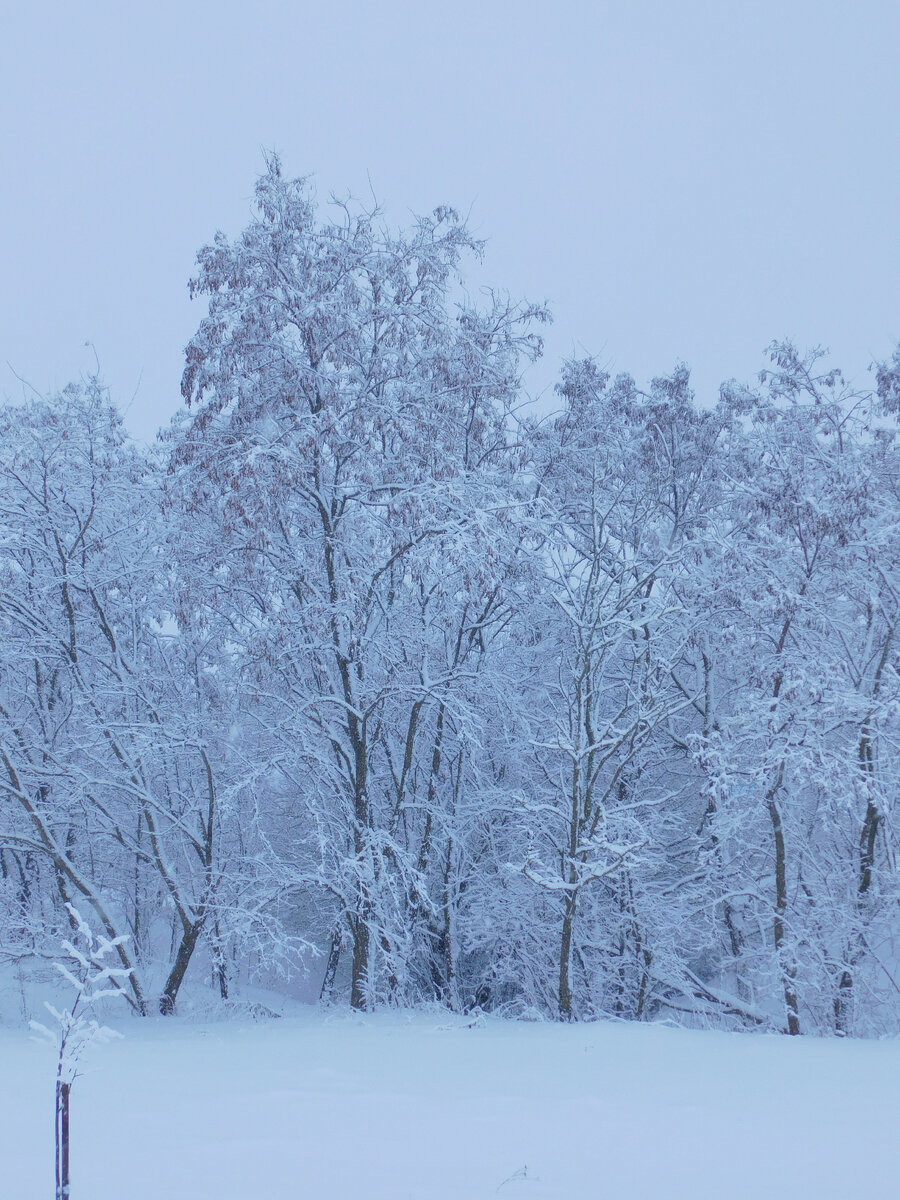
{"x": 179, "y": 967}
{"x": 843, "y": 1000}
{"x": 565, "y": 954}
{"x": 359, "y": 977}
{"x": 334, "y": 957}
{"x": 62, "y": 1140}
{"x": 221, "y": 965}
{"x": 447, "y": 936}
{"x": 787, "y": 972}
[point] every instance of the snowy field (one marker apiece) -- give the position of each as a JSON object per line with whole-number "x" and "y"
{"x": 424, "y": 1107}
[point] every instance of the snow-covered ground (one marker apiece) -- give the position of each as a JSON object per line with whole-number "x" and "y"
{"x": 428, "y": 1107}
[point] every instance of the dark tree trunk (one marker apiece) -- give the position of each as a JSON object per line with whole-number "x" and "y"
{"x": 565, "y": 952}
{"x": 359, "y": 971}
{"x": 179, "y": 967}
{"x": 334, "y": 957}
{"x": 62, "y": 1140}
{"x": 221, "y": 965}
{"x": 787, "y": 971}
{"x": 359, "y": 978}
{"x": 843, "y": 1000}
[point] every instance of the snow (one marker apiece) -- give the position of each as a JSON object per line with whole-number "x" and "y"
{"x": 429, "y": 1107}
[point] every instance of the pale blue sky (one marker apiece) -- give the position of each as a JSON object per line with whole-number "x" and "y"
{"x": 680, "y": 180}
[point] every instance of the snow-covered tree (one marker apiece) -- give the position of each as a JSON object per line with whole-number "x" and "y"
{"x": 347, "y": 463}
{"x": 803, "y": 615}
{"x": 117, "y": 788}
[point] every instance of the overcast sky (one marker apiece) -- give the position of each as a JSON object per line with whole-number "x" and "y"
{"x": 680, "y": 180}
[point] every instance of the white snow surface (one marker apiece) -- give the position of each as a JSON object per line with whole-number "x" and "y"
{"x": 429, "y": 1107}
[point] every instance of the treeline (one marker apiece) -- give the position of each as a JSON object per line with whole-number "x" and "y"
{"x": 595, "y": 714}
